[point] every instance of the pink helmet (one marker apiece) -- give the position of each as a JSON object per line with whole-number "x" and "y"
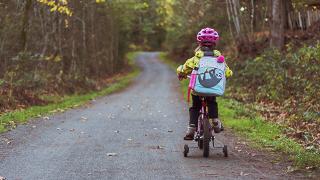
{"x": 207, "y": 36}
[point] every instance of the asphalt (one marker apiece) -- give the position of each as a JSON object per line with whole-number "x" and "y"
{"x": 133, "y": 134}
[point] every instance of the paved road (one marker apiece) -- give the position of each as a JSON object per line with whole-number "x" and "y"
{"x": 143, "y": 125}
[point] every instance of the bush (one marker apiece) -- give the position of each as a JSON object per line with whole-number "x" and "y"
{"x": 291, "y": 80}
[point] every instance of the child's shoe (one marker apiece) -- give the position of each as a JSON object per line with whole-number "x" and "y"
{"x": 190, "y": 132}
{"x": 217, "y": 125}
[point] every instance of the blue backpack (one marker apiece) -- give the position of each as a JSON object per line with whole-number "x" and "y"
{"x": 210, "y": 79}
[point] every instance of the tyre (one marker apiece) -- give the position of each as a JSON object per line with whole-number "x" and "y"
{"x": 212, "y": 139}
{"x": 206, "y": 137}
{"x": 225, "y": 150}
{"x": 186, "y": 150}
{"x": 200, "y": 144}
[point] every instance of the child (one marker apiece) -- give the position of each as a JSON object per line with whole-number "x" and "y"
{"x": 207, "y": 39}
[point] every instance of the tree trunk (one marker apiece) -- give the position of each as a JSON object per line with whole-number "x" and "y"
{"x": 234, "y": 8}
{"x": 252, "y": 15}
{"x": 277, "y": 24}
{"x": 229, "y": 19}
{"x": 25, "y": 24}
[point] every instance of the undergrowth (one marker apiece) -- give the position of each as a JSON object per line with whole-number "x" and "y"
{"x": 10, "y": 120}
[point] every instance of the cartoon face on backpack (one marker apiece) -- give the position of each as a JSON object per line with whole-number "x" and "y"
{"x": 215, "y": 76}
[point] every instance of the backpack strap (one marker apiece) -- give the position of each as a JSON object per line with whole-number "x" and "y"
{"x": 189, "y": 93}
{"x": 208, "y": 53}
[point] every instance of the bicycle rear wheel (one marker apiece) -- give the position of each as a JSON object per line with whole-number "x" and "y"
{"x": 206, "y": 137}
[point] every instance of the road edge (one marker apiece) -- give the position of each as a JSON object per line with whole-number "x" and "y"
{"x": 10, "y": 120}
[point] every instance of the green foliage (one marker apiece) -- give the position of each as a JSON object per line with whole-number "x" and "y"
{"x": 27, "y": 71}
{"x": 291, "y": 80}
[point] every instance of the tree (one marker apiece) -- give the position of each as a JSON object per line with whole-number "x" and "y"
{"x": 280, "y": 10}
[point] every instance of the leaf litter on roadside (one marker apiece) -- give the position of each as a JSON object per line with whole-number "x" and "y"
{"x": 112, "y": 154}
{"x": 111, "y": 116}
{"x": 7, "y": 141}
{"x": 243, "y": 174}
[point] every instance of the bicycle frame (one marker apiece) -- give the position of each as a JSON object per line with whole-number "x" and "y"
{"x": 203, "y": 114}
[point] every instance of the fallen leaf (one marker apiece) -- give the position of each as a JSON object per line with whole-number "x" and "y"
{"x": 170, "y": 130}
{"x": 243, "y": 174}
{"x": 290, "y": 169}
{"x": 160, "y": 147}
{"x": 112, "y": 154}
{"x": 205, "y": 166}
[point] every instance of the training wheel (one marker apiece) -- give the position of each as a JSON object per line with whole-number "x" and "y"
{"x": 186, "y": 150}
{"x": 225, "y": 150}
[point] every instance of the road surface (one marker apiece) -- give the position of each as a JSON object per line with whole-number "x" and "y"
{"x": 133, "y": 134}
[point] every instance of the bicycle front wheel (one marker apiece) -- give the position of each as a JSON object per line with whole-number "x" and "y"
{"x": 206, "y": 137}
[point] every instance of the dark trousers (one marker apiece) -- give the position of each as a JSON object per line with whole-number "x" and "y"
{"x": 196, "y": 106}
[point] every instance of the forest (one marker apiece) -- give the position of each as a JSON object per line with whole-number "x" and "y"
{"x": 54, "y": 48}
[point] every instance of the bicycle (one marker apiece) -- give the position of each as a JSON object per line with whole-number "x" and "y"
{"x": 204, "y": 135}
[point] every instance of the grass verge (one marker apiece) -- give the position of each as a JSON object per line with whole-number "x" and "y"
{"x": 9, "y": 120}
{"x": 261, "y": 134}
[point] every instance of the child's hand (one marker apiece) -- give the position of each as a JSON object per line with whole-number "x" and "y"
{"x": 181, "y": 77}
{"x": 229, "y": 72}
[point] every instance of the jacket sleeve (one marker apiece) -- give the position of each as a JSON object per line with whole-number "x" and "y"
{"x": 186, "y": 68}
{"x": 229, "y": 72}
{"x": 216, "y": 53}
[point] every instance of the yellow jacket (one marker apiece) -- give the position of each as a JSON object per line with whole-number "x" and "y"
{"x": 190, "y": 64}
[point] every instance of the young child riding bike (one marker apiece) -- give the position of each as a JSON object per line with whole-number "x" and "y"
{"x": 207, "y": 39}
